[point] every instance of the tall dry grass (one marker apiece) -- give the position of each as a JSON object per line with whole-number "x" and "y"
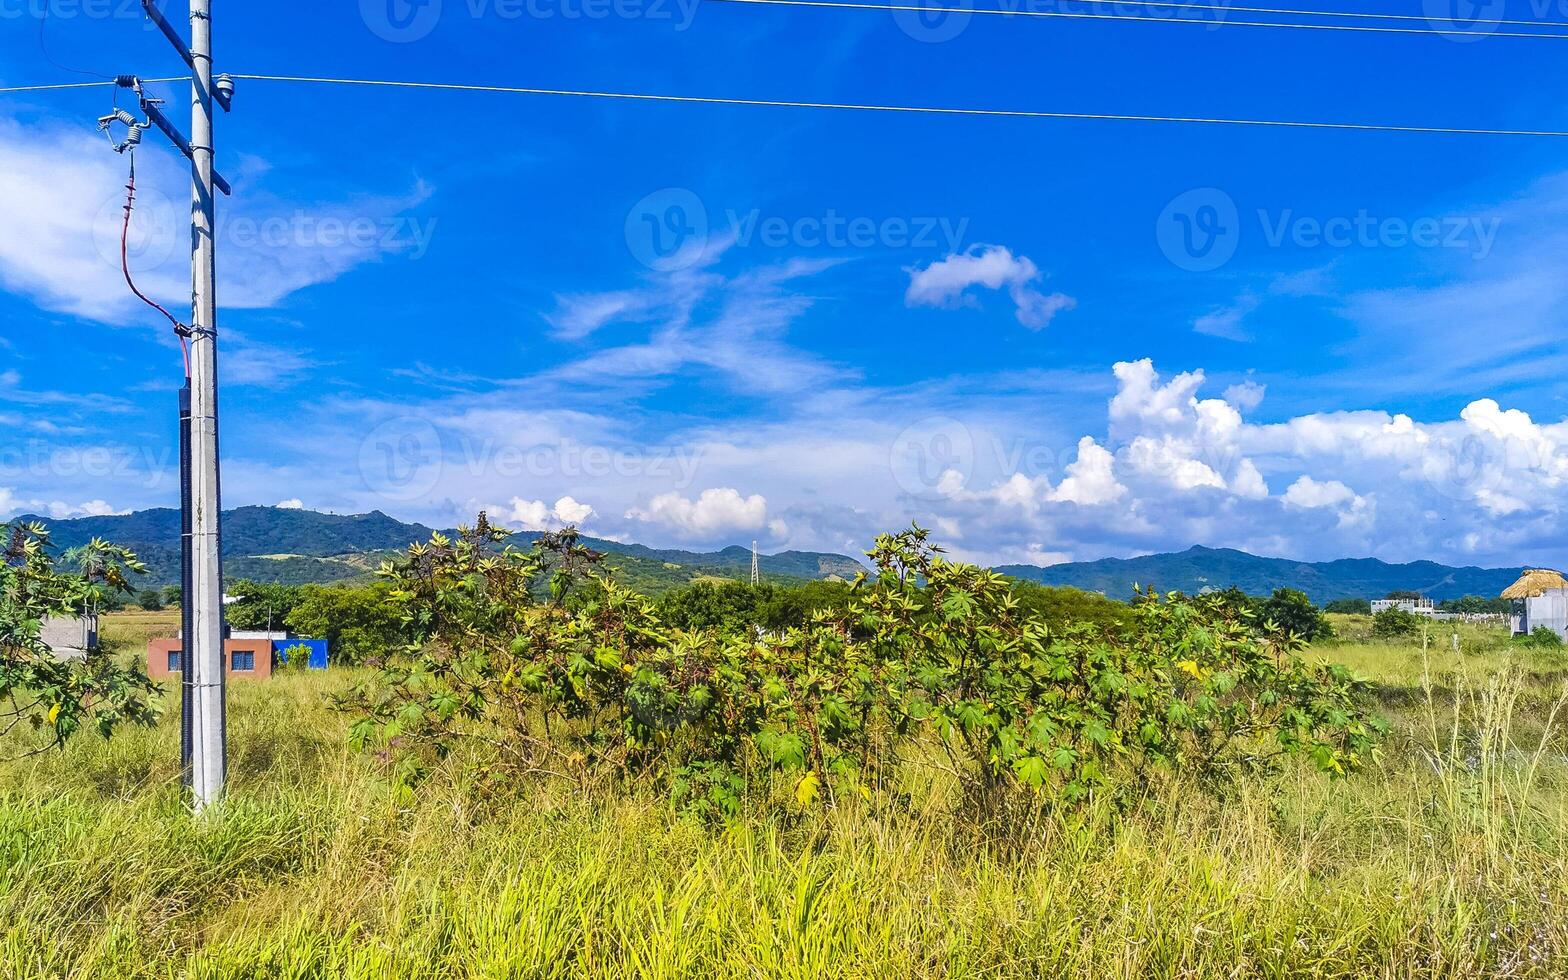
{"x": 1448, "y": 859}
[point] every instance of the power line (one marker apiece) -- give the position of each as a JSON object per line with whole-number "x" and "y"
{"x": 62, "y": 86}
{"x": 853, "y": 107}
{"x": 1143, "y": 18}
{"x": 43, "y": 45}
{"x": 931, "y": 110}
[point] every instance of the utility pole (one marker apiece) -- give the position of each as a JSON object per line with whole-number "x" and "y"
{"x": 756, "y": 566}
{"x": 209, "y": 761}
{"x": 204, "y": 723}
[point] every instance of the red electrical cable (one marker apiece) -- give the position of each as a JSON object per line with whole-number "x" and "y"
{"x": 125, "y": 267}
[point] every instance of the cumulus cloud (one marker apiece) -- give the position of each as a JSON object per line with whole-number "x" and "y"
{"x": 536, "y": 515}
{"x": 1179, "y": 469}
{"x": 715, "y": 512}
{"x": 946, "y": 283}
{"x": 12, "y": 505}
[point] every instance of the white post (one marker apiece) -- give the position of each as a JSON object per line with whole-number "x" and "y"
{"x": 204, "y": 648}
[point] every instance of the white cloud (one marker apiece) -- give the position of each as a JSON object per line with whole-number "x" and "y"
{"x": 536, "y": 515}
{"x": 945, "y": 283}
{"x": 293, "y": 504}
{"x": 715, "y": 512}
{"x": 12, "y": 505}
{"x": 1091, "y": 478}
{"x": 1307, "y": 492}
{"x": 63, "y": 198}
{"x": 570, "y": 511}
{"x": 1246, "y": 395}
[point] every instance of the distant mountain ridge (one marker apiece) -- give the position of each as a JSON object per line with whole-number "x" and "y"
{"x": 272, "y": 544}
{"x": 1198, "y": 569}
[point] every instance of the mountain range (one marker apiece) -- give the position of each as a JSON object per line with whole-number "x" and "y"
{"x": 1200, "y": 569}
{"x": 271, "y": 544}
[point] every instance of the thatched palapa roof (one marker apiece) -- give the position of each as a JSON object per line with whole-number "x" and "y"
{"x": 1535, "y": 582}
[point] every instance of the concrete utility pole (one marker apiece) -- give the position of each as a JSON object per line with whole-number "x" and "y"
{"x": 204, "y": 648}
{"x": 203, "y": 722}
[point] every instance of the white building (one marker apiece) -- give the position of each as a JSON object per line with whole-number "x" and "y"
{"x": 1421, "y": 607}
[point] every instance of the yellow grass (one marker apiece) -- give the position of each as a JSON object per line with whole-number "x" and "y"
{"x": 1447, "y": 859}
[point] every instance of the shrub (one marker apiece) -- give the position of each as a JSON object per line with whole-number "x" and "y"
{"x": 1395, "y": 622}
{"x": 53, "y": 696}
{"x": 297, "y": 657}
{"x": 1543, "y": 637}
{"x": 926, "y": 650}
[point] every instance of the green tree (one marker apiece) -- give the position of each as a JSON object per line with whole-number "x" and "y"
{"x": 1291, "y": 613}
{"x": 1476, "y": 605}
{"x": 151, "y": 600}
{"x": 261, "y": 605}
{"x": 56, "y": 697}
{"x": 1352, "y": 607}
{"x": 359, "y": 623}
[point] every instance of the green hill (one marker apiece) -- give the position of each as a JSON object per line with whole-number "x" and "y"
{"x": 294, "y": 547}
{"x": 1199, "y": 569}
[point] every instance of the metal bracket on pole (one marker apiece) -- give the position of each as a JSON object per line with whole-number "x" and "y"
{"x": 223, "y": 86}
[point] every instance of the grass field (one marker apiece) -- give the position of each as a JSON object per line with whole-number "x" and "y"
{"x": 1449, "y": 858}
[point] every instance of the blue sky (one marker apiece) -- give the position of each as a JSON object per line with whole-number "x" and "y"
{"x": 1047, "y": 339}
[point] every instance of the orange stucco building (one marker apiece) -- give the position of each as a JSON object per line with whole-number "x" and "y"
{"x": 241, "y": 658}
